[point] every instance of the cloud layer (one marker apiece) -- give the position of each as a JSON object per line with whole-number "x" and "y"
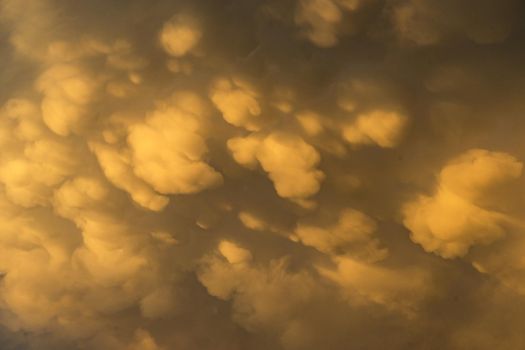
{"x": 262, "y": 174}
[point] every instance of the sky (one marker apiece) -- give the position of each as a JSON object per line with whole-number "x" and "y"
{"x": 262, "y": 174}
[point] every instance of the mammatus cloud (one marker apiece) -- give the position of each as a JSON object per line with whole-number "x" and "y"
{"x": 383, "y": 128}
{"x": 428, "y": 22}
{"x": 352, "y": 234}
{"x": 455, "y": 219}
{"x": 237, "y": 102}
{"x": 180, "y": 35}
{"x": 289, "y": 161}
{"x": 31, "y": 149}
{"x": 66, "y": 90}
{"x": 400, "y": 290}
{"x": 261, "y": 174}
{"x": 167, "y": 150}
{"x": 260, "y": 295}
{"x": 324, "y": 21}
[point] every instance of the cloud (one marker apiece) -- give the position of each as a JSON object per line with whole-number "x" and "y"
{"x": 167, "y": 151}
{"x": 251, "y": 221}
{"x": 36, "y": 161}
{"x": 396, "y": 289}
{"x": 323, "y": 21}
{"x": 143, "y": 341}
{"x": 233, "y": 253}
{"x": 454, "y": 219}
{"x": 67, "y": 91}
{"x": 351, "y": 233}
{"x": 427, "y": 22}
{"x": 264, "y": 174}
{"x": 260, "y": 294}
{"x": 180, "y": 35}
{"x": 237, "y": 101}
{"x": 117, "y": 168}
{"x": 383, "y": 128}
{"x": 289, "y": 161}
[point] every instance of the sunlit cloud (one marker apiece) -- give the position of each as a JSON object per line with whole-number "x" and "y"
{"x": 262, "y": 174}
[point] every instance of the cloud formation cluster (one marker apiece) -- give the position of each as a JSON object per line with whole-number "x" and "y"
{"x": 262, "y": 174}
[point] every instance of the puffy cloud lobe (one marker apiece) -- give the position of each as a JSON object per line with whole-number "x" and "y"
{"x": 167, "y": 150}
{"x": 454, "y": 219}
{"x": 102, "y": 255}
{"x": 263, "y": 222}
{"x": 180, "y": 35}
{"x": 260, "y": 294}
{"x": 113, "y": 254}
{"x": 319, "y": 130}
{"x": 252, "y": 222}
{"x": 27, "y": 119}
{"x": 67, "y": 91}
{"x": 289, "y": 161}
{"x": 33, "y": 258}
{"x": 34, "y": 162}
{"x": 322, "y": 16}
{"x": 233, "y": 253}
{"x": 381, "y": 127}
{"x": 311, "y": 122}
{"x": 477, "y": 173}
{"x": 466, "y": 224}
{"x": 238, "y": 103}
{"x": 504, "y": 262}
{"x": 118, "y": 169}
{"x": 322, "y": 20}
{"x": 352, "y": 233}
{"x": 368, "y": 113}
{"x": 244, "y": 150}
